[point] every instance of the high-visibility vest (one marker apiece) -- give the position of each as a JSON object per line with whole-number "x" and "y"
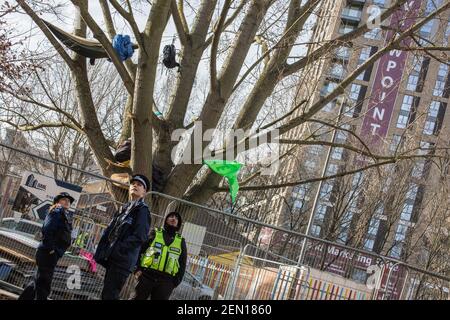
{"x": 162, "y": 257}
{"x": 81, "y": 240}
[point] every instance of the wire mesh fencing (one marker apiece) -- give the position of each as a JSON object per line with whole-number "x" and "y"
{"x": 226, "y": 257}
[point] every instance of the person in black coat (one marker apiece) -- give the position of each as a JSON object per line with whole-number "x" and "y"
{"x": 56, "y": 238}
{"x": 119, "y": 246}
{"x": 159, "y": 284}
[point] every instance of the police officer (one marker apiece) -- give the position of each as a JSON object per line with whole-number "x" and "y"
{"x": 163, "y": 261}
{"x": 120, "y": 244}
{"x": 56, "y": 238}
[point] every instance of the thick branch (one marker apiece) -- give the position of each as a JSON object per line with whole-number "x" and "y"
{"x": 47, "y": 33}
{"x": 183, "y": 33}
{"x": 103, "y": 39}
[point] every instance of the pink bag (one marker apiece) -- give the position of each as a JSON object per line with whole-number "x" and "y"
{"x": 90, "y": 257}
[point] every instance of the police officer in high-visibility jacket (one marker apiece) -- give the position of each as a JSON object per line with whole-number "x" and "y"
{"x": 163, "y": 261}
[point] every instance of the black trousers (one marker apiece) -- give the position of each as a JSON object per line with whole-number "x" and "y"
{"x": 154, "y": 287}
{"x": 40, "y": 287}
{"x": 114, "y": 281}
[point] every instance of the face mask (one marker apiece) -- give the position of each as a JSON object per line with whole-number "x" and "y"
{"x": 170, "y": 229}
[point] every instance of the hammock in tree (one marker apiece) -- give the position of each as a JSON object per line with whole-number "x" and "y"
{"x": 88, "y": 48}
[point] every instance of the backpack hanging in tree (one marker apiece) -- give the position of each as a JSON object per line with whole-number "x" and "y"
{"x": 169, "y": 53}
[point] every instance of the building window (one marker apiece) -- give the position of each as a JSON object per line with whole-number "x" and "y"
{"x": 414, "y": 76}
{"x": 357, "y": 180}
{"x": 406, "y": 212}
{"x": 299, "y": 192}
{"x": 427, "y": 31}
{"x": 297, "y": 205}
{"x": 354, "y": 92}
{"x": 329, "y": 106}
{"x": 353, "y": 12}
{"x": 412, "y": 192}
{"x": 363, "y": 57}
{"x": 328, "y": 87}
{"x": 319, "y": 217}
{"x": 356, "y": 97}
{"x": 343, "y": 53}
{"x": 315, "y": 150}
{"x": 310, "y": 165}
{"x": 405, "y": 112}
{"x": 341, "y": 135}
{"x": 396, "y": 140}
{"x": 372, "y": 233}
{"x": 439, "y": 87}
{"x": 374, "y": 34}
{"x": 380, "y": 3}
{"x": 337, "y": 153}
{"x": 346, "y": 28}
{"x": 418, "y": 168}
{"x": 337, "y": 71}
{"x": 447, "y": 34}
{"x": 325, "y": 191}
{"x": 315, "y": 230}
{"x": 368, "y": 244}
{"x": 349, "y": 110}
{"x": 434, "y": 118}
{"x": 425, "y": 147}
{"x": 431, "y": 6}
{"x": 344, "y": 226}
{"x": 400, "y": 236}
{"x": 332, "y": 169}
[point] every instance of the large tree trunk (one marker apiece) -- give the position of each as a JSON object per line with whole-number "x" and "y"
{"x": 141, "y": 152}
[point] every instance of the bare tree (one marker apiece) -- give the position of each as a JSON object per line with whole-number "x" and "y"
{"x": 226, "y": 32}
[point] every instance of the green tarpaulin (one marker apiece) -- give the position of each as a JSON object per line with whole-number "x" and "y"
{"x": 228, "y": 170}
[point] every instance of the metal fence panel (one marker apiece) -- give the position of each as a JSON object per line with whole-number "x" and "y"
{"x": 225, "y": 258}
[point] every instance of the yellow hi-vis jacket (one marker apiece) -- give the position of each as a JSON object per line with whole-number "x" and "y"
{"x": 162, "y": 257}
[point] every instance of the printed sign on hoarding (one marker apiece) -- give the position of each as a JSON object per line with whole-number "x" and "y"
{"x": 36, "y": 194}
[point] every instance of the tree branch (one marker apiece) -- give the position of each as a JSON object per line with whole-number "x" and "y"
{"x": 216, "y": 37}
{"x": 180, "y": 11}
{"x": 338, "y": 175}
{"x": 128, "y": 16}
{"x": 228, "y": 22}
{"x": 103, "y": 39}
{"x": 47, "y": 33}
{"x": 182, "y": 30}
{"x": 44, "y": 125}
